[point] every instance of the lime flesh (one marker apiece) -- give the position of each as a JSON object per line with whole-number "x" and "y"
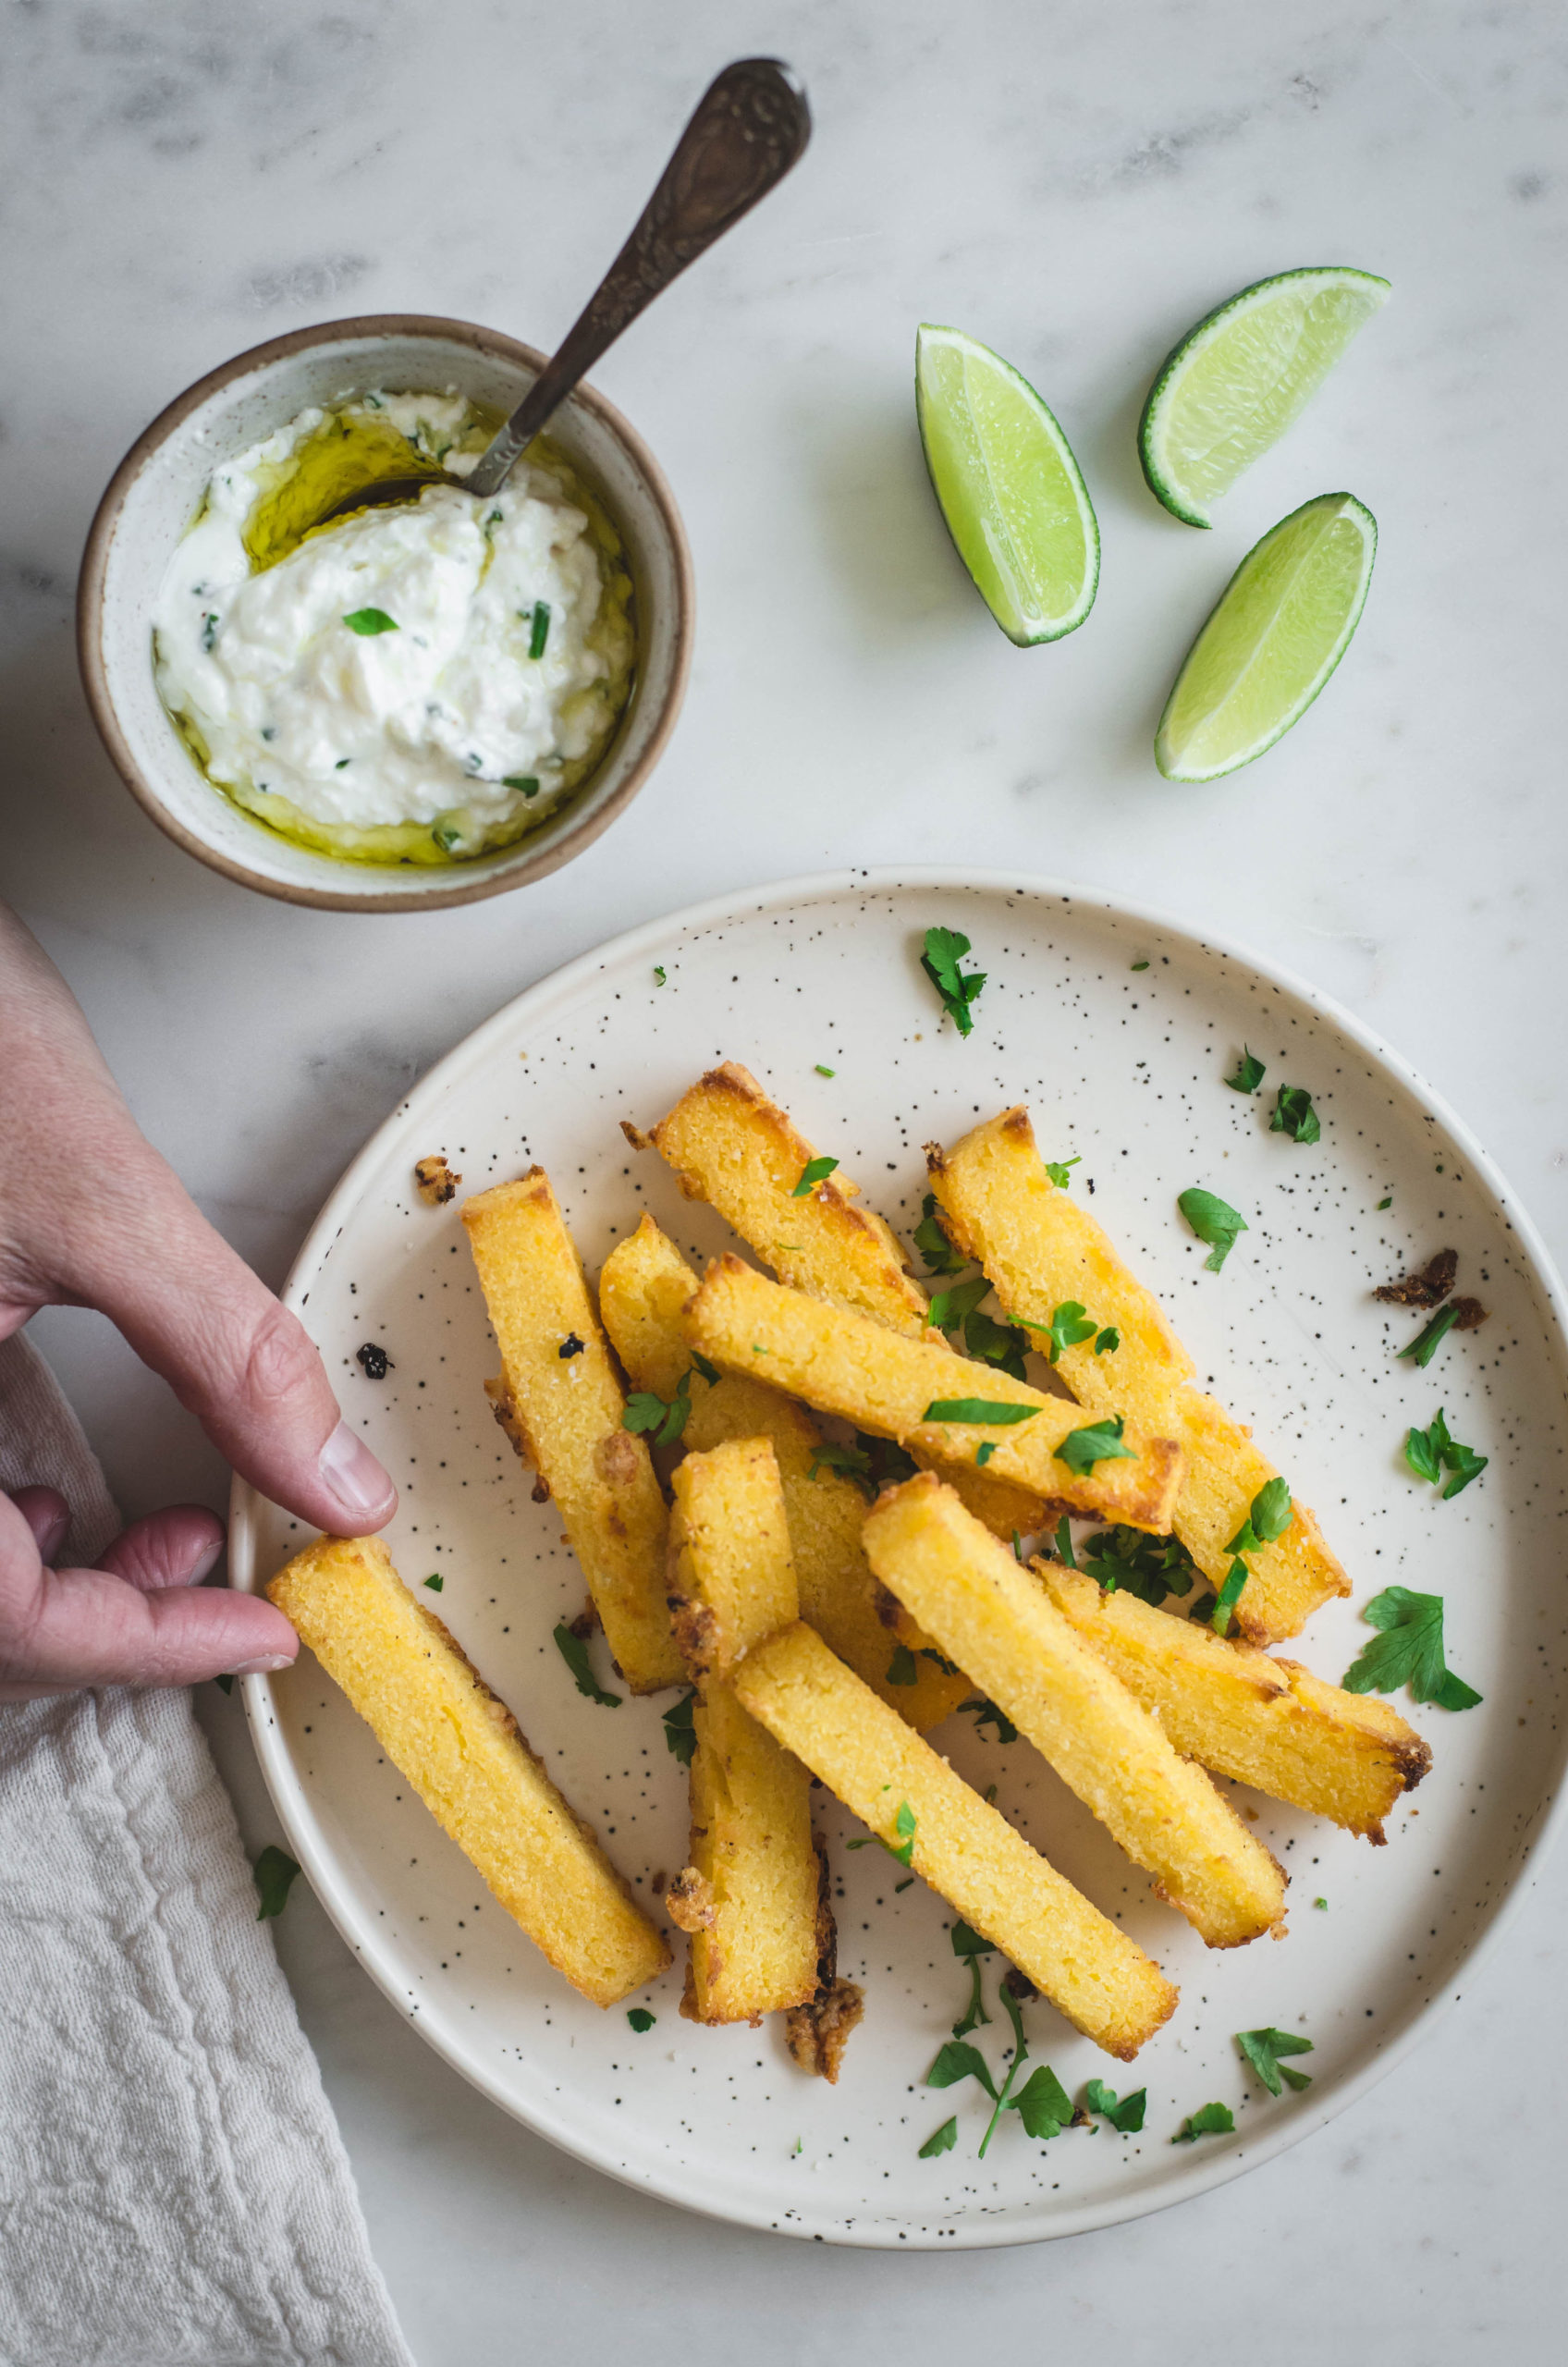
{"x": 1282, "y": 623}
{"x": 1236, "y": 382}
{"x": 1010, "y": 491}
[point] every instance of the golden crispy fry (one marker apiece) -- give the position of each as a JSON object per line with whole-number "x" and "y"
{"x": 1076, "y": 1956}
{"x": 646, "y": 1284}
{"x": 1040, "y": 1248}
{"x": 732, "y": 1583}
{"x": 989, "y": 1615}
{"x": 845, "y": 1364}
{"x": 563, "y": 1413}
{"x": 461, "y": 1748}
{"x": 1263, "y": 1722}
{"x": 733, "y": 1144}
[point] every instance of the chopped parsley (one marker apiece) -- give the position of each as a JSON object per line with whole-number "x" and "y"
{"x": 1108, "y": 1342}
{"x": 574, "y": 1652}
{"x": 1322, "y": 1903}
{"x": 1210, "y": 2120}
{"x": 1430, "y": 1339}
{"x": 948, "y": 1308}
{"x": 970, "y": 1947}
{"x": 435, "y": 1582}
{"x": 1126, "y": 2115}
{"x": 1388, "y": 1203}
{"x": 901, "y": 1669}
{"x": 641, "y": 2019}
{"x": 948, "y": 1667}
{"x": 370, "y": 622}
{"x": 1140, "y": 965}
{"x": 661, "y": 976}
{"x": 1270, "y": 1515}
{"x": 906, "y": 1825}
{"x": 823, "y": 1069}
{"x": 1230, "y": 1594}
{"x": 679, "y": 1731}
{"x": 274, "y": 1869}
{"x": 1095, "y": 1443}
{"x": 662, "y": 1422}
{"x": 941, "y": 2140}
{"x": 987, "y": 1714}
{"x": 528, "y": 784}
{"x": 990, "y": 1343}
{"x": 1056, "y": 1168}
{"x": 945, "y": 949}
{"x": 814, "y": 1171}
{"x": 1408, "y": 1651}
{"x": 1128, "y": 1561}
{"x": 1063, "y": 1543}
{"x": 1041, "y": 2104}
{"x": 1215, "y": 1221}
{"x": 1263, "y": 2049}
{"x": 1250, "y": 1074}
{"x": 1432, "y": 1452}
{"x": 1067, "y": 1328}
{"x": 983, "y": 1453}
{"x": 977, "y": 1409}
{"x": 210, "y": 631}
{"x": 705, "y": 1366}
{"x": 1295, "y": 1115}
{"x": 941, "y": 1255}
{"x": 849, "y": 1462}
{"x": 539, "y": 630}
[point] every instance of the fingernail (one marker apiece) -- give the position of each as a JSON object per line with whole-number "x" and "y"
{"x": 265, "y": 1667}
{"x": 354, "y": 1477}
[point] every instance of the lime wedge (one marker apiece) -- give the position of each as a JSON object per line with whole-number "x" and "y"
{"x": 1012, "y": 494}
{"x": 1282, "y": 624}
{"x": 1236, "y": 382}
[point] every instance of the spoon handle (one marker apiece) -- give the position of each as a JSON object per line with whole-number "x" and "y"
{"x": 750, "y": 126}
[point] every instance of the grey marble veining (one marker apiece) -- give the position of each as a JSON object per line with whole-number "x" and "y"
{"x": 1076, "y": 185}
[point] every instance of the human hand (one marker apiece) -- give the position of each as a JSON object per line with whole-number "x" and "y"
{"x": 92, "y": 1216}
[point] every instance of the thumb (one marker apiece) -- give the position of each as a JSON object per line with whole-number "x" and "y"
{"x": 234, "y": 1357}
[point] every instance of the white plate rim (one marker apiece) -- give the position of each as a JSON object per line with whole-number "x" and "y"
{"x": 1203, "y": 2172}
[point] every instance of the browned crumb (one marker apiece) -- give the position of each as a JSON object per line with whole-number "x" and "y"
{"x": 1019, "y": 1985}
{"x": 635, "y": 1136}
{"x": 817, "y": 2033}
{"x": 696, "y": 1631}
{"x": 615, "y": 1459}
{"x": 1427, "y": 1288}
{"x": 436, "y": 1181}
{"x": 1468, "y": 1315}
{"x": 586, "y": 1621}
{"x": 689, "y": 1901}
{"x": 541, "y": 1491}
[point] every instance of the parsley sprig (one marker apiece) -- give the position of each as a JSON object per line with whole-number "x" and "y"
{"x": 1056, "y": 1168}
{"x": 1263, "y": 2049}
{"x": 1214, "y": 1220}
{"x": 1269, "y": 1516}
{"x": 945, "y": 949}
{"x": 574, "y": 1652}
{"x": 1210, "y": 2120}
{"x": 1295, "y": 1115}
{"x": 814, "y": 1171}
{"x": 941, "y": 1255}
{"x": 274, "y": 1869}
{"x": 1095, "y": 1443}
{"x": 1130, "y": 1562}
{"x": 1432, "y": 1452}
{"x": 906, "y": 1825}
{"x": 1042, "y": 2103}
{"x": 660, "y": 1419}
{"x": 1250, "y": 1073}
{"x": 1125, "y": 2114}
{"x": 1408, "y": 1651}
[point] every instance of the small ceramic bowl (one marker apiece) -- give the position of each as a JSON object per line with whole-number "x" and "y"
{"x": 153, "y": 496}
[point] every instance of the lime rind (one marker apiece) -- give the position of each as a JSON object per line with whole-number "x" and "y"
{"x": 1273, "y": 638}
{"x": 1232, "y": 387}
{"x": 1009, "y": 489}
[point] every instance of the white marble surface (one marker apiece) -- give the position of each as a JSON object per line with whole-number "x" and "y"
{"x": 1074, "y": 186}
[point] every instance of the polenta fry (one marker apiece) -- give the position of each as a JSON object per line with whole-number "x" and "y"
{"x": 645, "y": 1285}
{"x": 1040, "y": 1249}
{"x": 846, "y": 1364}
{"x": 732, "y": 1583}
{"x": 1263, "y": 1722}
{"x": 562, "y": 1406}
{"x": 1105, "y": 1746}
{"x": 462, "y": 1750}
{"x": 1089, "y": 1968}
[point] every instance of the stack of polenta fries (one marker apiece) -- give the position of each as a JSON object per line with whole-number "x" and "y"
{"x": 824, "y": 1634}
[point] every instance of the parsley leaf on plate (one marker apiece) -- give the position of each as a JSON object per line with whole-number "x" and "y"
{"x": 1263, "y": 2049}
{"x": 370, "y": 622}
{"x": 1042, "y": 2103}
{"x": 1056, "y": 1170}
{"x": 1126, "y": 2115}
{"x": 945, "y": 949}
{"x": 661, "y": 974}
{"x": 1067, "y": 1328}
{"x": 816, "y": 1170}
{"x": 574, "y": 1652}
{"x": 1432, "y": 1452}
{"x": 957, "y": 2060}
{"x": 949, "y": 1307}
{"x": 1095, "y": 1443}
{"x": 1295, "y": 1115}
{"x": 1409, "y": 1650}
{"x": 680, "y": 1733}
{"x": 1214, "y": 1220}
{"x": 987, "y": 1714}
{"x": 1430, "y": 1339}
{"x": 435, "y": 1582}
{"x": 1210, "y": 2120}
{"x": 1108, "y": 1342}
{"x": 990, "y": 1343}
{"x": 969, "y": 1945}
{"x": 640, "y": 2019}
{"x": 941, "y": 2140}
{"x": 274, "y": 1870}
{"x": 1250, "y": 1074}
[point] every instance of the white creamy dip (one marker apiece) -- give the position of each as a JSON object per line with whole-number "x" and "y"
{"x": 418, "y": 682}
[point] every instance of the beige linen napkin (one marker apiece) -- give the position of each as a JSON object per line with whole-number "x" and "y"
{"x": 173, "y": 2188}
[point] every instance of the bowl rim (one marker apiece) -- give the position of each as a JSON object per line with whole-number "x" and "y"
{"x": 493, "y": 343}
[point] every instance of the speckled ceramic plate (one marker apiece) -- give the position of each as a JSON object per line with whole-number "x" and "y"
{"x": 1123, "y": 1067}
